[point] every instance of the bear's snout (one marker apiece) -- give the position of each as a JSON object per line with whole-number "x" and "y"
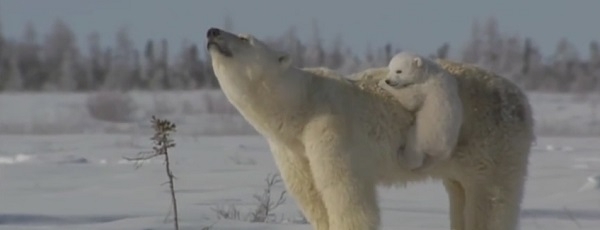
{"x": 388, "y": 82}
{"x": 213, "y": 33}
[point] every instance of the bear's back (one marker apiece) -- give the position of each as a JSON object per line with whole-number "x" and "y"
{"x": 494, "y": 106}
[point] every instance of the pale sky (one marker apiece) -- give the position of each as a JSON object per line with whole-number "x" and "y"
{"x": 417, "y": 25}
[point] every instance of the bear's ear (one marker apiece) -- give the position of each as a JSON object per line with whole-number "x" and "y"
{"x": 418, "y": 62}
{"x": 284, "y": 60}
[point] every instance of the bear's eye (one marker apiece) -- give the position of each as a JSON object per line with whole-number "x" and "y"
{"x": 398, "y": 71}
{"x": 244, "y": 38}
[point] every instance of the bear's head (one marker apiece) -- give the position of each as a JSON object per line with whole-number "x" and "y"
{"x": 243, "y": 55}
{"x": 406, "y": 69}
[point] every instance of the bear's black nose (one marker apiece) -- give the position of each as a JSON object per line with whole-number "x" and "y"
{"x": 213, "y": 32}
{"x": 387, "y": 81}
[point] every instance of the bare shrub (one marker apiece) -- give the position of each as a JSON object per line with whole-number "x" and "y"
{"x": 112, "y": 106}
{"x": 162, "y": 143}
{"x": 266, "y": 204}
{"x": 263, "y": 212}
{"x": 301, "y": 220}
{"x": 230, "y": 212}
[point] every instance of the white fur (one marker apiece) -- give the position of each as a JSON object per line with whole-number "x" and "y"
{"x": 423, "y": 86}
{"x": 334, "y": 140}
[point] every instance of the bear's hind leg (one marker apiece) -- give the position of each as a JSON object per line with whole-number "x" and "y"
{"x": 295, "y": 171}
{"x": 493, "y": 204}
{"x": 344, "y": 179}
{"x": 456, "y": 198}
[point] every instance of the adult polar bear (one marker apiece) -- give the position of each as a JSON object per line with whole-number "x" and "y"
{"x": 334, "y": 140}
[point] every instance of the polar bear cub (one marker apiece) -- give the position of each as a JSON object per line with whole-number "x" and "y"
{"x": 422, "y": 86}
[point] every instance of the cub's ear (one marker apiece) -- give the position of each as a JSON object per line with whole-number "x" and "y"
{"x": 284, "y": 60}
{"x": 418, "y": 62}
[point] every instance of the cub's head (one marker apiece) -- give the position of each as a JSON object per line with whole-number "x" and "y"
{"x": 243, "y": 55}
{"x": 406, "y": 69}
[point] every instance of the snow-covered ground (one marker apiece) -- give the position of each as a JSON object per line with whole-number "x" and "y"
{"x": 62, "y": 169}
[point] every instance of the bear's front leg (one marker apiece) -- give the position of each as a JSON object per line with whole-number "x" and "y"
{"x": 343, "y": 172}
{"x": 298, "y": 179}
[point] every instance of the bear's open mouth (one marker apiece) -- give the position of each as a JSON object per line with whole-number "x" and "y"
{"x": 223, "y": 50}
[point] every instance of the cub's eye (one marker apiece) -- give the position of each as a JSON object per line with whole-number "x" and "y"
{"x": 244, "y": 39}
{"x": 398, "y": 71}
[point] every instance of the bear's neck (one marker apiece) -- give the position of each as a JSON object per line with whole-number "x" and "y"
{"x": 268, "y": 102}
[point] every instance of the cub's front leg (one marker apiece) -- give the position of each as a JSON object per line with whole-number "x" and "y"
{"x": 409, "y": 155}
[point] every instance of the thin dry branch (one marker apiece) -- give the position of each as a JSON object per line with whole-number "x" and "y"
{"x": 162, "y": 142}
{"x": 266, "y": 204}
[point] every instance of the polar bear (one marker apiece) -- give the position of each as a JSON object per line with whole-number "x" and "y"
{"x": 334, "y": 141}
{"x": 421, "y": 85}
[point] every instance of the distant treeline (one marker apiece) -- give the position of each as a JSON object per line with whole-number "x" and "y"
{"x": 55, "y": 63}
